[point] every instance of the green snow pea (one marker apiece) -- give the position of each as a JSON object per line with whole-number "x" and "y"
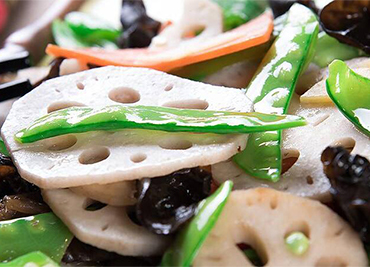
{"x": 238, "y": 12}
{"x": 84, "y": 119}
{"x": 190, "y": 239}
{"x": 43, "y": 232}
{"x": 329, "y": 49}
{"x": 351, "y": 94}
{"x": 3, "y": 149}
{"x": 65, "y": 36}
{"x": 273, "y": 86}
{"x": 90, "y": 28}
{"x": 37, "y": 259}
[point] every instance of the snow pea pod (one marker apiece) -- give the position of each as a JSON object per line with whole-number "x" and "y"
{"x": 238, "y": 12}
{"x": 329, "y": 48}
{"x": 90, "y": 28}
{"x": 273, "y": 86}
{"x": 351, "y": 94}
{"x": 84, "y": 119}
{"x": 81, "y": 30}
{"x": 43, "y": 232}
{"x": 34, "y": 259}
{"x": 190, "y": 239}
{"x": 3, "y": 149}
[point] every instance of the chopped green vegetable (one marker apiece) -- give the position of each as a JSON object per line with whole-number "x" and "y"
{"x": 3, "y": 149}
{"x": 43, "y": 232}
{"x": 33, "y": 259}
{"x": 329, "y": 49}
{"x": 91, "y": 29}
{"x": 190, "y": 239}
{"x": 238, "y": 12}
{"x": 272, "y": 88}
{"x": 297, "y": 243}
{"x": 351, "y": 94}
{"x": 84, "y": 119}
{"x": 64, "y": 36}
{"x": 80, "y": 31}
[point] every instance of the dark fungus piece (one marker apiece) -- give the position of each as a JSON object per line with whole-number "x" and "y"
{"x": 138, "y": 28}
{"x": 280, "y": 7}
{"x": 349, "y": 176}
{"x": 167, "y": 202}
{"x": 348, "y": 21}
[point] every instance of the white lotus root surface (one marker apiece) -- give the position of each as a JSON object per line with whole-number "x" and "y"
{"x": 197, "y": 15}
{"x": 326, "y": 126}
{"x": 104, "y": 157}
{"x": 115, "y": 194}
{"x": 263, "y": 218}
{"x": 108, "y": 228}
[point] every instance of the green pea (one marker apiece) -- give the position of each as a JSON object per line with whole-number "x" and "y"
{"x": 297, "y": 243}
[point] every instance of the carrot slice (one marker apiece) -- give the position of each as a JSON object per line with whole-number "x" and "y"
{"x": 251, "y": 34}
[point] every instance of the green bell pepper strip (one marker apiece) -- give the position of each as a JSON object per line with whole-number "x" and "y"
{"x": 37, "y": 258}
{"x": 190, "y": 239}
{"x": 43, "y": 232}
{"x": 3, "y": 149}
{"x": 91, "y": 29}
{"x": 238, "y": 12}
{"x": 329, "y": 49}
{"x": 84, "y": 119}
{"x": 272, "y": 88}
{"x": 351, "y": 94}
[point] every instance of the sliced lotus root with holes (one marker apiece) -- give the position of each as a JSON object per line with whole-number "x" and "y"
{"x": 303, "y": 147}
{"x": 116, "y": 194}
{"x": 104, "y": 157}
{"x": 263, "y": 218}
{"x": 318, "y": 95}
{"x": 108, "y": 228}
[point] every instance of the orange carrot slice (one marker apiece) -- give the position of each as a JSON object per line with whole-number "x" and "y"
{"x": 251, "y": 34}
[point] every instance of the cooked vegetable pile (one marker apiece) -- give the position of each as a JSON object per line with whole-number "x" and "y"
{"x": 228, "y": 133}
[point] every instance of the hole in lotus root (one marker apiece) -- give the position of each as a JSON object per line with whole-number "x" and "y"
{"x": 60, "y": 142}
{"x": 124, "y": 95}
{"x": 138, "y": 157}
{"x": 94, "y": 155}
{"x": 187, "y": 104}
{"x": 273, "y": 203}
{"x": 169, "y": 87}
{"x": 309, "y": 180}
{"x": 252, "y": 243}
{"x": 80, "y": 85}
{"x": 93, "y": 205}
{"x": 175, "y": 143}
{"x": 348, "y": 143}
{"x": 329, "y": 262}
{"x": 62, "y": 105}
{"x": 300, "y": 226}
{"x": 290, "y": 157}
